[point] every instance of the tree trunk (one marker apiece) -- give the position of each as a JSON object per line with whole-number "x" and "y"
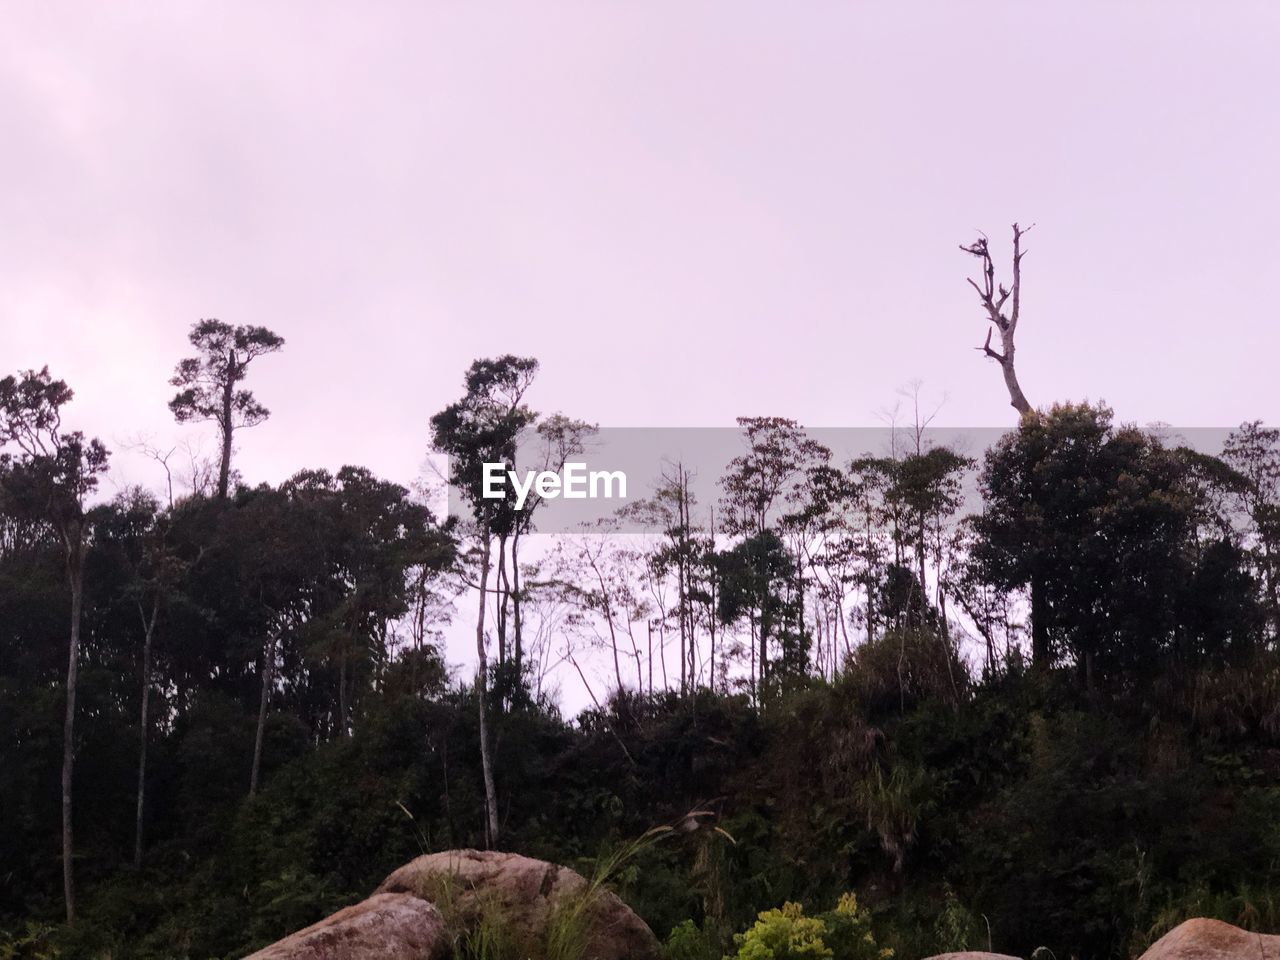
{"x": 1039, "y": 624}
{"x": 482, "y": 680}
{"x": 517, "y": 623}
{"x": 149, "y": 627}
{"x": 75, "y": 577}
{"x": 268, "y": 673}
{"x": 224, "y": 465}
{"x": 608, "y": 619}
{"x": 342, "y": 693}
{"x": 712, "y": 611}
{"x": 994, "y": 297}
{"x": 650, "y": 657}
{"x": 662, "y": 648}
{"x": 765, "y": 624}
{"x": 1017, "y": 399}
{"x": 503, "y": 588}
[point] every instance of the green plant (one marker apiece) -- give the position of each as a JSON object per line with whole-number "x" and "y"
{"x": 488, "y": 938}
{"x": 688, "y": 941}
{"x": 787, "y": 933}
{"x": 31, "y": 943}
{"x": 783, "y": 933}
{"x": 569, "y": 926}
{"x": 424, "y": 841}
{"x": 895, "y": 805}
{"x": 849, "y": 934}
{"x": 1246, "y": 906}
{"x": 957, "y": 928}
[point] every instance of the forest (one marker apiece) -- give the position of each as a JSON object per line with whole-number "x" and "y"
{"x": 1019, "y": 700}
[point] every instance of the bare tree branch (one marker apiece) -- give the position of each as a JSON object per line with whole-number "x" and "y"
{"x": 993, "y": 297}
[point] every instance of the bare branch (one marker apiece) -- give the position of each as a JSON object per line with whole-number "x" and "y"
{"x": 994, "y": 297}
{"x": 988, "y": 351}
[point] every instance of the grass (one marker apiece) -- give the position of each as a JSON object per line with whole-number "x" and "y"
{"x": 568, "y": 931}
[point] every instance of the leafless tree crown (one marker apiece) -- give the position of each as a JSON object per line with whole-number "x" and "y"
{"x": 995, "y": 297}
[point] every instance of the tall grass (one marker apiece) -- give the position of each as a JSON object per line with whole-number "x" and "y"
{"x": 569, "y": 926}
{"x": 1250, "y": 907}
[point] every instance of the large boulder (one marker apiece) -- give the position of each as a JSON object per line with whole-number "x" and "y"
{"x": 1202, "y": 939}
{"x": 433, "y": 902}
{"x": 390, "y": 926}
{"x": 971, "y": 955}
{"x": 529, "y": 899}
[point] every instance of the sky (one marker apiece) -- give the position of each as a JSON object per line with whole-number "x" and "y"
{"x": 688, "y": 211}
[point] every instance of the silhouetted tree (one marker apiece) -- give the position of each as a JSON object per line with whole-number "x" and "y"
{"x": 52, "y": 476}
{"x": 994, "y": 297}
{"x": 1253, "y": 451}
{"x": 1105, "y": 521}
{"x": 759, "y": 486}
{"x": 209, "y": 383}
{"x": 484, "y": 427}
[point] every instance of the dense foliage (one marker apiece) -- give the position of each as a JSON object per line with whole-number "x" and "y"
{"x": 1056, "y": 723}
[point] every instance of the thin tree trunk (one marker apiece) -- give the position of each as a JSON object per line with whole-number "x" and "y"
{"x": 149, "y": 627}
{"x": 268, "y": 673}
{"x": 482, "y": 681}
{"x": 650, "y": 658}
{"x": 682, "y": 580}
{"x": 608, "y": 619}
{"x": 613, "y": 643}
{"x": 75, "y": 576}
{"x": 712, "y": 603}
{"x": 635, "y": 653}
{"x": 600, "y": 709}
{"x": 224, "y": 465}
{"x": 1039, "y": 624}
{"x": 662, "y": 649}
{"x": 684, "y": 654}
{"x": 342, "y": 693}
{"x": 765, "y": 623}
{"x": 504, "y": 594}
{"x": 517, "y": 623}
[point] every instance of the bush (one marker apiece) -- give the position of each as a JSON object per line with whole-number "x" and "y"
{"x": 687, "y": 941}
{"x": 787, "y": 934}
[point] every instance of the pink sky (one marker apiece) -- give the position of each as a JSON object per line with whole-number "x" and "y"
{"x": 688, "y": 211}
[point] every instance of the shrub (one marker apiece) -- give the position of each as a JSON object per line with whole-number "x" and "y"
{"x": 687, "y": 941}
{"x": 787, "y": 934}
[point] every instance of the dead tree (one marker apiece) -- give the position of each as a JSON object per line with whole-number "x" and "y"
{"x": 994, "y": 297}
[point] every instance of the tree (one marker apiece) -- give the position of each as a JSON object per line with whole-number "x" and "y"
{"x": 994, "y": 297}
{"x": 209, "y": 383}
{"x": 757, "y": 578}
{"x": 484, "y": 427}
{"x": 371, "y": 535}
{"x": 686, "y": 554}
{"x": 834, "y": 553}
{"x": 927, "y": 487}
{"x": 136, "y": 527}
{"x": 53, "y": 475}
{"x": 1104, "y": 521}
{"x": 601, "y": 583}
{"x": 1253, "y": 451}
{"x": 279, "y": 549}
{"x": 559, "y": 439}
{"x": 757, "y": 486}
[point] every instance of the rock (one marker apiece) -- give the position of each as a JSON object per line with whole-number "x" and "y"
{"x": 521, "y": 894}
{"x": 1203, "y": 939}
{"x": 389, "y": 926}
{"x": 971, "y": 955}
